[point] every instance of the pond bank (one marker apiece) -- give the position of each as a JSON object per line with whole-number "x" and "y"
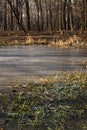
{"x": 61, "y": 39}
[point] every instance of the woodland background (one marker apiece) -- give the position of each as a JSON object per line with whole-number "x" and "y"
{"x": 43, "y": 15}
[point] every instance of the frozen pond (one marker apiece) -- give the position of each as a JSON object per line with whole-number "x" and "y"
{"x": 25, "y": 61}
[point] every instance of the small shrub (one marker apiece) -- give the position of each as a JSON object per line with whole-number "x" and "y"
{"x": 29, "y": 40}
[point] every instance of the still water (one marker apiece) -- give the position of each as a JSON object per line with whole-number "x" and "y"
{"x": 40, "y": 60}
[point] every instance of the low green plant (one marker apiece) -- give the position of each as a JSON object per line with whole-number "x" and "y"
{"x": 47, "y": 105}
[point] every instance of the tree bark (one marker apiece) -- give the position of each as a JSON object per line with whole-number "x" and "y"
{"x": 16, "y": 13}
{"x": 28, "y": 15}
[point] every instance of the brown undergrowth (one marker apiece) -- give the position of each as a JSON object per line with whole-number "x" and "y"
{"x": 66, "y": 39}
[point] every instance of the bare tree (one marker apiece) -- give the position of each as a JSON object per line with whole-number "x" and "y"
{"x": 15, "y": 10}
{"x": 43, "y": 15}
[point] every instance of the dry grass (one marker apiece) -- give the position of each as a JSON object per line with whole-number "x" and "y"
{"x": 72, "y": 41}
{"x": 30, "y": 40}
{"x": 64, "y": 40}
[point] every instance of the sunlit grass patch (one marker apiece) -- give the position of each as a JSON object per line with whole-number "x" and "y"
{"x": 72, "y": 41}
{"x": 48, "y": 104}
{"x": 57, "y": 40}
{"x": 29, "y": 40}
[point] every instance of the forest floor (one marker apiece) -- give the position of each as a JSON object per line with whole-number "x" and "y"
{"x": 53, "y": 103}
{"x": 60, "y": 39}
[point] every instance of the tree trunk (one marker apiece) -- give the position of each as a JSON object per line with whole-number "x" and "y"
{"x": 41, "y": 13}
{"x": 16, "y": 13}
{"x": 50, "y": 14}
{"x": 28, "y": 15}
{"x": 84, "y": 15}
